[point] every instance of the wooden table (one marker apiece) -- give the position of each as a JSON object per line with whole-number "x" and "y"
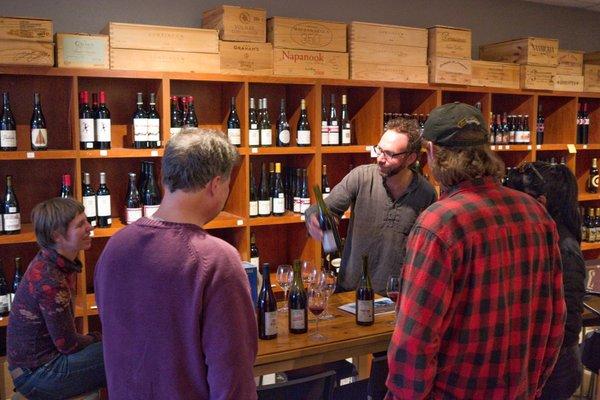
{"x": 344, "y": 339}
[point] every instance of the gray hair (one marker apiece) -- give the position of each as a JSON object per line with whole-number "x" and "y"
{"x": 54, "y": 215}
{"x": 195, "y": 156}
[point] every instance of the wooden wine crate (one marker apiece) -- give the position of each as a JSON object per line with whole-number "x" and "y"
{"x": 82, "y": 50}
{"x": 158, "y": 60}
{"x": 309, "y": 63}
{"x": 494, "y": 74}
{"x": 168, "y": 38}
{"x": 570, "y": 62}
{"x": 23, "y": 52}
{"x": 367, "y": 32}
{"x": 537, "y": 77}
{"x": 568, "y": 83}
{"x": 238, "y": 24}
{"x": 591, "y": 77}
{"x": 531, "y": 51}
{"x": 33, "y": 29}
{"x": 246, "y": 58}
{"x": 450, "y": 70}
{"x": 378, "y": 53}
{"x": 592, "y": 58}
{"x": 388, "y": 72}
{"x": 449, "y": 42}
{"x": 306, "y": 34}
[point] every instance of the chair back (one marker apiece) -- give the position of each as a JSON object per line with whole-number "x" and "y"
{"x": 376, "y": 389}
{"x": 314, "y": 387}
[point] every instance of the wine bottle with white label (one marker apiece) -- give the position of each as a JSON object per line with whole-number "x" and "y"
{"x": 267, "y": 308}
{"x": 332, "y": 124}
{"x": 365, "y": 297}
{"x": 176, "y": 117}
{"x": 11, "y": 213}
{"x": 331, "y": 237}
{"x": 253, "y": 206}
{"x": 8, "y": 126}
{"x": 133, "y": 202}
{"x": 277, "y": 194}
{"x": 253, "y": 131}
{"x": 325, "y": 188}
{"x": 153, "y": 141}
{"x": 264, "y": 196}
{"x": 4, "y": 294}
{"x": 16, "y": 280}
{"x": 39, "y": 133}
{"x": 234, "y": 133}
{"x": 303, "y": 126}
{"x": 266, "y": 135}
{"x": 345, "y": 123}
{"x": 140, "y": 124}
{"x": 297, "y": 303}
{"x": 150, "y": 193}
{"x": 102, "y": 123}
{"x": 103, "y": 202}
{"x": 89, "y": 199}
{"x": 86, "y": 122}
{"x": 324, "y": 124}
{"x": 254, "y": 254}
{"x": 283, "y": 127}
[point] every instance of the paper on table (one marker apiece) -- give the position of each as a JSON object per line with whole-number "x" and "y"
{"x": 383, "y": 305}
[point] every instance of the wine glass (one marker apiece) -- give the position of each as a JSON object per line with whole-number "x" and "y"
{"x": 329, "y": 283}
{"x": 393, "y": 289}
{"x": 317, "y": 303}
{"x": 307, "y": 272}
{"x": 285, "y": 274}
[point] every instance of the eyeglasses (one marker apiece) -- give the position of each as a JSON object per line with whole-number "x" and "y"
{"x": 387, "y": 154}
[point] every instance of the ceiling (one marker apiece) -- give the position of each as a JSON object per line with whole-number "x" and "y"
{"x": 592, "y": 5}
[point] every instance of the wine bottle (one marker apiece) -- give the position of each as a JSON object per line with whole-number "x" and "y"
{"x": 297, "y": 303}
{"x": 233, "y": 125}
{"x": 365, "y": 298}
{"x": 303, "y": 126}
{"x": 103, "y": 126}
{"x": 499, "y": 130}
{"x": 331, "y": 238}
{"x": 8, "y": 127}
{"x": 253, "y": 132}
{"x": 11, "y": 213}
{"x": 283, "y": 127}
{"x": 594, "y": 177}
{"x": 297, "y": 190}
{"x": 254, "y": 255}
{"x": 95, "y": 105}
{"x": 288, "y": 187}
{"x": 539, "y": 130}
{"x": 39, "y": 134}
{"x": 140, "y": 124}
{"x": 103, "y": 202}
{"x": 332, "y": 124}
{"x": 133, "y": 203}
{"x": 267, "y": 308}
{"x": 253, "y": 209}
{"x": 16, "y": 279}
{"x": 191, "y": 119}
{"x": 65, "y": 187}
{"x": 585, "y": 124}
{"x": 86, "y": 122}
{"x": 324, "y": 124}
{"x": 153, "y": 141}
{"x": 176, "y": 117}
{"x": 266, "y": 135}
{"x": 277, "y": 194}
{"x": 143, "y": 176}
{"x": 325, "y": 189}
{"x": 304, "y": 194}
{"x": 150, "y": 193}
{"x": 4, "y": 294}
{"x": 345, "y": 123}
{"x": 89, "y": 199}
{"x": 264, "y": 198}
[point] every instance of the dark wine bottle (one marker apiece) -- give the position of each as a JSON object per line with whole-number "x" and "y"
{"x": 254, "y": 254}
{"x": 234, "y": 133}
{"x": 140, "y": 124}
{"x": 297, "y": 190}
{"x": 143, "y": 176}
{"x": 253, "y": 131}
{"x": 266, "y": 135}
{"x": 331, "y": 238}
{"x": 264, "y": 197}
{"x": 89, "y": 199}
{"x": 103, "y": 125}
{"x": 325, "y": 189}
{"x": 153, "y": 141}
{"x": 297, "y": 303}
{"x": 267, "y": 308}
{"x": 365, "y": 297}
{"x": 253, "y": 212}
{"x": 86, "y": 122}
{"x": 303, "y": 126}
{"x": 4, "y": 294}
{"x": 345, "y": 123}
{"x": 11, "y": 213}
{"x": 39, "y": 134}
{"x": 324, "y": 124}
{"x": 277, "y": 194}
{"x": 332, "y": 124}
{"x": 304, "y": 193}
{"x": 176, "y": 117}
{"x": 95, "y": 105}
{"x": 150, "y": 193}
{"x": 593, "y": 178}
{"x": 539, "y": 132}
{"x": 16, "y": 279}
{"x": 283, "y": 127}
{"x": 65, "y": 188}
{"x": 585, "y": 124}
{"x": 133, "y": 203}
{"x": 103, "y": 202}
{"x": 8, "y": 126}
{"x": 579, "y": 124}
{"x": 191, "y": 119}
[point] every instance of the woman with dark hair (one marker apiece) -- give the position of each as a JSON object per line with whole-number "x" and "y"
{"x": 555, "y": 186}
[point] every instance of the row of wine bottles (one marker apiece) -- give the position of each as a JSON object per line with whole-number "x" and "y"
{"x": 8, "y": 293}
{"x": 37, "y": 124}
{"x": 590, "y": 229}
{"x": 509, "y": 129}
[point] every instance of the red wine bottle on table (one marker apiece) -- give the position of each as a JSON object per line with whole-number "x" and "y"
{"x": 365, "y": 297}
{"x": 267, "y": 308}
{"x": 297, "y": 303}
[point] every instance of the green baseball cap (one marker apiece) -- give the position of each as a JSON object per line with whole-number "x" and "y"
{"x": 456, "y": 125}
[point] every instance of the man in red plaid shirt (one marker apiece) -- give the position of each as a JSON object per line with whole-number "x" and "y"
{"x": 481, "y": 313}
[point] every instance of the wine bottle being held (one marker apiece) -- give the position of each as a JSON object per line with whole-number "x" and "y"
{"x": 365, "y": 297}
{"x": 297, "y": 303}
{"x": 303, "y": 126}
{"x": 16, "y": 279}
{"x": 8, "y": 127}
{"x": 86, "y": 122}
{"x": 153, "y": 124}
{"x": 140, "y": 124}
{"x": 65, "y": 188}
{"x": 331, "y": 238}
{"x": 176, "y": 117}
{"x": 324, "y": 124}
{"x": 11, "y": 213}
{"x": 253, "y": 131}
{"x": 89, "y": 199}
{"x": 345, "y": 123}
{"x": 103, "y": 202}
{"x": 283, "y": 127}
{"x": 39, "y": 134}
{"x": 4, "y": 294}
{"x": 267, "y": 308}
{"x": 234, "y": 133}
{"x": 266, "y": 135}
{"x": 333, "y": 127}
{"x": 133, "y": 203}
{"x": 191, "y": 119}
{"x": 150, "y": 193}
{"x": 277, "y": 193}
{"x": 253, "y": 207}
{"x": 325, "y": 188}
{"x": 264, "y": 197}
{"x": 103, "y": 125}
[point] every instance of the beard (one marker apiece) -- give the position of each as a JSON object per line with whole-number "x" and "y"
{"x": 391, "y": 172}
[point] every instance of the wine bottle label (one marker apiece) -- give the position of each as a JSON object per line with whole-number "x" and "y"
{"x": 104, "y": 205}
{"x": 175, "y": 131}
{"x": 586, "y": 121}
{"x": 540, "y": 127}
{"x": 1, "y": 223}
{"x": 253, "y": 136}
{"x": 253, "y": 208}
{"x": 346, "y": 138}
{"x": 39, "y": 137}
{"x": 150, "y": 210}
{"x": 132, "y": 215}
{"x": 86, "y": 130}
{"x": 499, "y": 137}
{"x": 103, "y": 130}
{"x": 8, "y": 138}
{"x": 89, "y": 203}
{"x": 297, "y": 204}
{"x": 334, "y": 134}
{"x": 140, "y": 129}
{"x": 279, "y": 204}
{"x": 4, "y": 302}
{"x": 270, "y": 323}
{"x": 255, "y": 261}
{"x": 329, "y": 245}
{"x": 153, "y": 129}
{"x": 594, "y": 180}
{"x": 235, "y": 136}
{"x": 324, "y": 132}
{"x": 284, "y": 136}
{"x": 264, "y": 207}
{"x": 303, "y": 137}
{"x": 266, "y": 137}
{"x": 12, "y": 222}
{"x": 364, "y": 310}
{"x": 304, "y": 204}
{"x": 297, "y": 318}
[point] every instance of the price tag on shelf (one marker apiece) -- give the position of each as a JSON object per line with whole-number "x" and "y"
{"x": 585, "y": 147}
{"x": 153, "y": 153}
{"x": 239, "y": 222}
{"x": 500, "y": 147}
{"x": 370, "y": 149}
{"x": 103, "y": 153}
{"x": 302, "y": 218}
{"x": 254, "y": 150}
{"x": 94, "y": 307}
{"x": 571, "y": 148}
{"x": 30, "y": 154}
{"x": 507, "y": 147}
{"x": 538, "y": 146}
{"x": 528, "y": 147}
{"x": 91, "y": 233}
{"x": 493, "y": 147}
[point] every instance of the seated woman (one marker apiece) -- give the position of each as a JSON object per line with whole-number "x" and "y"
{"x": 47, "y": 357}
{"x": 555, "y": 186}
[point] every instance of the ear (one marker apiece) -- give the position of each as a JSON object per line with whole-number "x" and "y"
{"x": 542, "y": 199}
{"x": 57, "y": 237}
{"x": 410, "y": 160}
{"x": 213, "y": 184}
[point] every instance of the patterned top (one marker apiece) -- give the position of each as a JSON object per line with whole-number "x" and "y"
{"x": 482, "y": 312}
{"x": 41, "y": 324}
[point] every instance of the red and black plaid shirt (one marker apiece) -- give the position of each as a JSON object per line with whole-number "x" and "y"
{"x": 481, "y": 314}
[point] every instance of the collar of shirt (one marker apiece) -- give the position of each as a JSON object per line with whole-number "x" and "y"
{"x": 470, "y": 185}
{"x": 411, "y": 187}
{"x": 62, "y": 263}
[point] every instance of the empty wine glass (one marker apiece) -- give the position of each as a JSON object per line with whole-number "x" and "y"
{"x": 307, "y": 271}
{"x": 285, "y": 274}
{"x": 329, "y": 283}
{"x": 317, "y": 303}
{"x": 393, "y": 289}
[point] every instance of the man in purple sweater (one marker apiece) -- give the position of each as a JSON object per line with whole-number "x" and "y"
{"x": 177, "y": 316}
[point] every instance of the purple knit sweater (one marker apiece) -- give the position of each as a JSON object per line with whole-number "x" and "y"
{"x": 177, "y": 316}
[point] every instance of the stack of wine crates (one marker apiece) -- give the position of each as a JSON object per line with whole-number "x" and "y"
{"x": 569, "y": 71}
{"x": 26, "y": 41}
{"x": 449, "y": 55}
{"x": 591, "y": 71}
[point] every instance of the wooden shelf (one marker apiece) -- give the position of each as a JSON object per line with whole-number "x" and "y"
{"x": 26, "y": 236}
{"x": 585, "y": 246}
{"x": 588, "y": 196}
{"x": 288, "y": 218}
{"x": 274, "y": 150}
{"x": 346, "y": 149}
{"x": 91, "y": 307}
{"x": 121, "y": 153}
{"x": 552, "y": 147}
{"x": 38, "y": 155}
{"x": 584, "y": 147}
{"x": 511, "y": 147}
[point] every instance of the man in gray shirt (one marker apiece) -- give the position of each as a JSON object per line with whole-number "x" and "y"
{"x": 386, "y": 199}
